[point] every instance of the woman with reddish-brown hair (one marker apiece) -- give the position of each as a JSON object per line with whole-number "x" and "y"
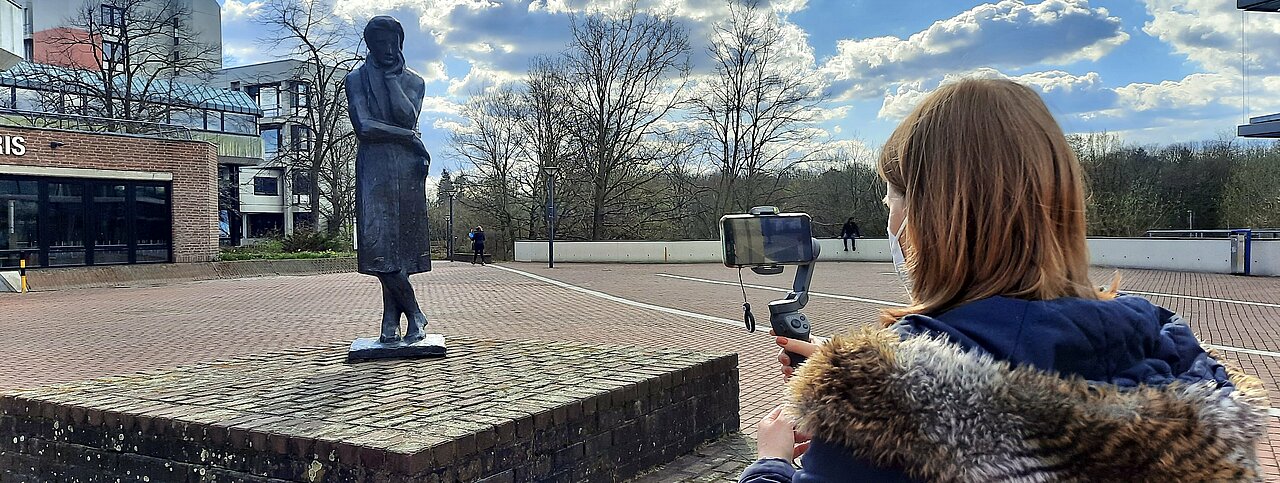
{"x": 1008, "y": 364}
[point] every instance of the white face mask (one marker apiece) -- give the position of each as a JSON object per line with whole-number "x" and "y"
{"x": 899, "y": 259}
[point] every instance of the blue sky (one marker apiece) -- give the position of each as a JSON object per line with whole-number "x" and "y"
{"x": 1153, "y": 71}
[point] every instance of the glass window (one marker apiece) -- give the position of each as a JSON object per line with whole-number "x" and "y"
{"x": 151, "y": 206}
{"x": 6, "y": 97}
{"x": 112, "y": 16}
{"x": 19, "y": 212}
{"x": 271, "y": 140}
{"x": 28, "y": 100}
{"x": 301, "y": 96}
{"x": 266, "y": 186}
{"x": 213, "y": 121}
{"x": 269, "y": 100}
{"x": 301, "y": 182}
{"x": 111, "y": 220}
{"x": 300, "y": 138}
{"x": 73, "y": 103}
{"x": 192, "y": 118}
{"x": 265, "y": 225}
{"x": 112, "y": 51}
{"x": 240, "y": 123}
{"x": 66, "y": 223}
{"x": 224, "y": 223}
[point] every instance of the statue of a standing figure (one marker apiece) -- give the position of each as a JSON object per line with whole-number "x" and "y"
{"x": 384, "y": 99}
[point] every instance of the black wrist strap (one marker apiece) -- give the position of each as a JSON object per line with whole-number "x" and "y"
{"x": 747, "y": 317}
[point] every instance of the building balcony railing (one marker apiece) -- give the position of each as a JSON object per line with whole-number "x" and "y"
{"x": 75, "y": 122}
{"x": 230, "y": 145}
{"x": 245, "y": 146}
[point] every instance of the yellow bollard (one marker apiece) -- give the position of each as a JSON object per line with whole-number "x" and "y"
{"x": 22, "y": 272}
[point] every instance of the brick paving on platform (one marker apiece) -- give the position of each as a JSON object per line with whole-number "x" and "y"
{"x": 71, "y": 335}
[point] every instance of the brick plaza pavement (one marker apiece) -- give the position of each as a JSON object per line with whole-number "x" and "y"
{"x": 49, "y": 337}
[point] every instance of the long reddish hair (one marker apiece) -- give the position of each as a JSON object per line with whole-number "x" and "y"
{"x": 994, "y": 199}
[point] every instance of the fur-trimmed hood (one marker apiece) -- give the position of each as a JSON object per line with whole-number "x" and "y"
{"x": 940, "y": 412}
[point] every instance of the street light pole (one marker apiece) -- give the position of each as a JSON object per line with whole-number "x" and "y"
{"x": 551, "y": 215}
{"x": 452, "y": 195}
{"x": 1189, "y": 220}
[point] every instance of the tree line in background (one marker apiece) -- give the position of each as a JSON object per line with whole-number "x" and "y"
{"x": 642, "y": 151}
{"x": 641, "y": 147}
{"x": 1130, "y": 189}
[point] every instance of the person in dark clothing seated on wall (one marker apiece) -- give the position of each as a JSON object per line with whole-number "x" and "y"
{"x": 1008, "y": 364}
{"x": 477, "y": 245}
{"x": 850, "y": 233}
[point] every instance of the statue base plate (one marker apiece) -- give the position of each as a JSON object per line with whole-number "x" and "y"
{"x": 369, "y": 348}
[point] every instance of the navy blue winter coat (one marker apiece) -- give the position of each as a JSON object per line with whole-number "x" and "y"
{"x": 973, "y": 394}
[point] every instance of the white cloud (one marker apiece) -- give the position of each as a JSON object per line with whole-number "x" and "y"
{"x": 433, "y": 71}
{"x": 441, "y": 105}
{"x": 1193, "y": 91}
{"x": 234, "y": 10}
{"x": 1005, "y": 34}
{"x": 1208, "y": 33}
{"x": 235, "y": 54}
{"x": 1063, "y": 92}
{"x": 481, "y": 78}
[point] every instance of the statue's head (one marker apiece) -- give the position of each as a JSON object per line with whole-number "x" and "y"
{"x": 385, "y": 38}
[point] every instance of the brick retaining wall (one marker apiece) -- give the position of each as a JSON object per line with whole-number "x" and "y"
{"x": 116, "y": 275}
{"x": 490, "y": 411}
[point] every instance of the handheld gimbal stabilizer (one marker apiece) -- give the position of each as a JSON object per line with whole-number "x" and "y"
{"x": 784, "y": 315}
{"x": 766, "y": 240}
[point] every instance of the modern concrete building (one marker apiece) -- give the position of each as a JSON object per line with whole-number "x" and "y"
{"x": 11, "y": 22}
{"x": 257, "y": 195}
{"x": 283, "y": 90}
{"x": 46, "y": 20}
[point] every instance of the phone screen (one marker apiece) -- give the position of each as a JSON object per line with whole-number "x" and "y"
{"x": 783, "y": 239}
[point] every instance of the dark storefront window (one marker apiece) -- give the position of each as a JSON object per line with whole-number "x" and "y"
{"x": 58, "y": 222}
{"x": 19, "y": 205}
{"x": 152, "y": 209}
{"x": 66, "y": 223}
{"x": 110, "y": 207}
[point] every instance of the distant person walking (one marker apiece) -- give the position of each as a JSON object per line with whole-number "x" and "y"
{"x": 850, "y": 235}
{"x": 477, "y": 245}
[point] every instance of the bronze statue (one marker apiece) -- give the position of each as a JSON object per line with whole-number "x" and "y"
{"x": 384, "y": 99}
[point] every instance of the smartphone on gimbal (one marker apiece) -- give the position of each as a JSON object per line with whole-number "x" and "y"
{"x": 766, "y": 239}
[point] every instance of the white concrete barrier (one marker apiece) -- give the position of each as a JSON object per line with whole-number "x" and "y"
{"x": 1211, "y": 255}
{"x": 699, "y": 251}
{"x": 1265, "y": 255}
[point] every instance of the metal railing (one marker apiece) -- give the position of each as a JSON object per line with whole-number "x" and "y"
{"x": 1264, "y": 233}
{"x": 76, "y": 122}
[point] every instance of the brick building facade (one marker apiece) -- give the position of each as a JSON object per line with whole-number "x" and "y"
{"x": 173, "y": 173}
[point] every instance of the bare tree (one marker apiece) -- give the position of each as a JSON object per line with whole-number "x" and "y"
{"x": 755, "y": 112}
{"x": 625, "y": 74}
{"x": 308, "y": 30}
{"x": 545, "y": 128}
{"x": 493, "y": 144}
{"x": 119, "y": 59}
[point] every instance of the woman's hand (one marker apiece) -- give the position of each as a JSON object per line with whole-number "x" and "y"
{"x": 803, "y": 348}
{"x": 777, "y": 437}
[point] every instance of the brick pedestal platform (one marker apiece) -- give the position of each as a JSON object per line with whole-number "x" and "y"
{"x": 490, "y": 411}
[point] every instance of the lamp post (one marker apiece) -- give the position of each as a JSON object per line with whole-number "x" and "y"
{"x": 550, "y": 171}
{"x": 453, "y": 193}
{"x": 1189, "y": 220}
